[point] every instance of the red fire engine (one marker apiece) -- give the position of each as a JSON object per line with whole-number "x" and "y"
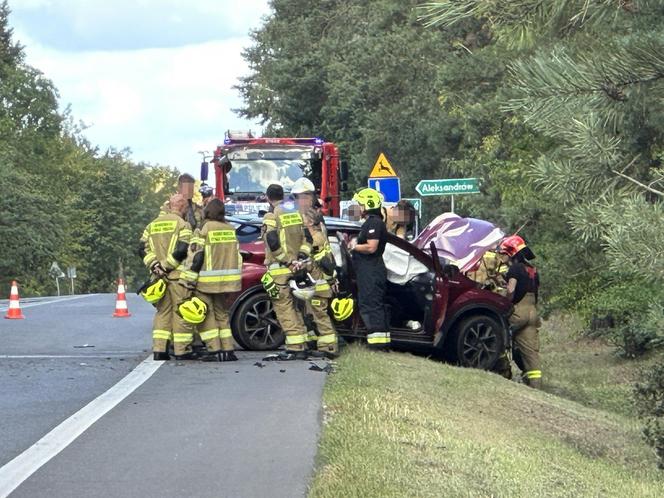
{"x": 245, "y": 166}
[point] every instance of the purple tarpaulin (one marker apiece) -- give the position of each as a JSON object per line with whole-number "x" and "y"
{"x": 462, "y": 241}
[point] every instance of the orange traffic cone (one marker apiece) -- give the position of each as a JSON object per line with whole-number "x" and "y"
{"x": 121, "y": 309}
{"x": 14, "y": 311}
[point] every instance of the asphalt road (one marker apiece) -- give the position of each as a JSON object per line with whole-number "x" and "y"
{"x": 185, "y": 428}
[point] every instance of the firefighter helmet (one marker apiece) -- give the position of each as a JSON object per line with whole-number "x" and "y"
{"x": 342, "y": 308}
{"x": 369, "y": 198}
{"x": 303, "y": 286}
{"x": 270, "y": 285}
{"x": 303, "y": 186}
{"x": 206, "y": 191}
{"x": 193, "y": 310}
{"x": 512, "y": 245}
{"x": 152, "y": 292}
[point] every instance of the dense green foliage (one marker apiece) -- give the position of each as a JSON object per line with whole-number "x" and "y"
{"x": 62, "y": 200}
{"x": 555, "y": 105}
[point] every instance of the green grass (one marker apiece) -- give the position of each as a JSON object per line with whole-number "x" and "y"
{"x": 589, "y": 371}
{"x": 396, "y": 425}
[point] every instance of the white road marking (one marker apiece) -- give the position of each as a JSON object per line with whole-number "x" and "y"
{"x": 27, "y": 463}
{"x": 56, "y": 300}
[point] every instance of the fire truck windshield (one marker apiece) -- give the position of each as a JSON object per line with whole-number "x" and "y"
{"x": 254, "y": 169}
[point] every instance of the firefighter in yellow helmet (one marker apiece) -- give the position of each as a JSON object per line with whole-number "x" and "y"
{"x": 164, "y": 246}
{"x": 367, "y": 250}
{"x": 522, "y": 288}
{"x": 322, "y": 268}
{"x": 285, "y": 249}
{"x": 215, "y": 271}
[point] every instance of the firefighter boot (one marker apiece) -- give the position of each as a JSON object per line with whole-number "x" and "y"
{"x": 227, "y": 356}
{"x": 161, "y": 356}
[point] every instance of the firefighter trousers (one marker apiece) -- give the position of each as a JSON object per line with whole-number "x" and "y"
{"x": 289, "y": 317}
{"x": 371, "y": 286}
{"x": 168, "y": 325}
{"x": 327, "y": 335}
{"x": 215, "y": 330}
{"x": 525, "y": 324}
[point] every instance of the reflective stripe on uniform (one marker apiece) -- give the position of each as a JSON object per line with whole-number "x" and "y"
{"x": 324, "y": 340}
{"x": 161, "y": 334}
{"x": 534, "y": 374}
{"x": 219, "y": 278}
{"x": 216, "y": 273}
{"x": 279, "y": 270}
{"x": 321, "y": 254}
{"x": 225, "y": 333}
{"x": 270, "y": 223}
{"x": 306, "y": 249}
{"x": 189, "y": 275}
{"x": 171, "y": 261}
{"x": 378, "y": 338}
{"x": 208, "y": 335}
{"x": 183, "y": 337}
{"x": 185, "y": 232}
{"x": 315, "y": 302}
{"x": 163, "y": 227}
{"x": 221, "y": 236}
{"x": 296, "y": 339}
{"x": 197, "y": 240}
{"x": 149, "y": 258}
{"x": 323, "y": 286}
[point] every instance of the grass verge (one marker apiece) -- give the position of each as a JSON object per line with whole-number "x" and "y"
{"x": 397, "y": 425}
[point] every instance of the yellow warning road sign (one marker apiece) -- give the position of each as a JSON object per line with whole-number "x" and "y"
{"x": 382, "y": 168}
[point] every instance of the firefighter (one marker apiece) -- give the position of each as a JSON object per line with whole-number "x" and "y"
{"x": 164, "y": 246}
{"x": 194, "y": 213}
{"x": 367, "y": 250}
{"x": 323, "y": 270}
{"x": 285, "y": 250}
{"x": 522, "y": 288}
{"x": 216, "y": 270}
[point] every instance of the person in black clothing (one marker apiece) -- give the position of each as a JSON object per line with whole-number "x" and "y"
{"x": 367, "y": 251}
{"x": 522, "y": 288}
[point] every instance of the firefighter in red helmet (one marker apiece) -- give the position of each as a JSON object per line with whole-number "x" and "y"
{"x": 522, "y": 288}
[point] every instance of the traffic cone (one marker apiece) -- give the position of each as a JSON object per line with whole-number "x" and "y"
{"x": 14, "y": 311}
{"x": 121, "y": 310}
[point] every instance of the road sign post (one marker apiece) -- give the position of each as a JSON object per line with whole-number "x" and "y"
{"x": 449, "y": 186}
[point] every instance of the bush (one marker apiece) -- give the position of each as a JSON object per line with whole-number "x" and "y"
{"x": 650, "y": 404}
{"x": 627, "y": 314}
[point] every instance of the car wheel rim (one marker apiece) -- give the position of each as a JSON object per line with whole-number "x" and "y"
{"x": 260, "y": 324}
{"x": 479, "y": 344}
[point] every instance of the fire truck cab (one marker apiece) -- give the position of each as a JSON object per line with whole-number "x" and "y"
{"x": 245, "y": 166}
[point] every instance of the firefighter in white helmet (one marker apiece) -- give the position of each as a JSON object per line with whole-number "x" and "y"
{"x": 322, "y": 269}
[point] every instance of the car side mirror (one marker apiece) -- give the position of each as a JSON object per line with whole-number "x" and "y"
{"x": 343, "y": 187}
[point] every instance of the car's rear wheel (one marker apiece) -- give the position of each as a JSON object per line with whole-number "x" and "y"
{"x": 255, "y": 325}
{"x": 480, "y": 340}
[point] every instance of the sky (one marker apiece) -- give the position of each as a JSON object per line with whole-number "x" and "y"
{"x": 154, "y": 76}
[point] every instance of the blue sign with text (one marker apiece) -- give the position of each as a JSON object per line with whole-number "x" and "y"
{"x": 389, "y": 187}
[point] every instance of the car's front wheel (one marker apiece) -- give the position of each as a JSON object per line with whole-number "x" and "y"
{"x": 255, "y": 325}
{"x": 480, "y": 340}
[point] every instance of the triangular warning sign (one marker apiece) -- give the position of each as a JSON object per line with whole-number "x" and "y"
{"x": 382, "y": 168}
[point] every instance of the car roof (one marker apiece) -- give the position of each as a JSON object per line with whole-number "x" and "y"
{"x": 331, "y": 222}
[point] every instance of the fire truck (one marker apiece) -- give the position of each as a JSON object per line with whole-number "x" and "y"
{"x": 245, "y": 166}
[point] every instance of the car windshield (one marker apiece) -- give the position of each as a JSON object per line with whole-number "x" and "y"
{"x": 254, "y": 169}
